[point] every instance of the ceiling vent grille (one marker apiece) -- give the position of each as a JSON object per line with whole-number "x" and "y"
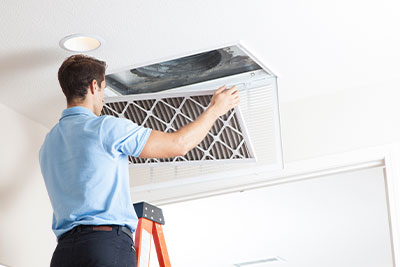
{"x": 227, "y": 140}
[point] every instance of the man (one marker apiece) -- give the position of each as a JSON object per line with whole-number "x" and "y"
{"x": 84, "y": 162}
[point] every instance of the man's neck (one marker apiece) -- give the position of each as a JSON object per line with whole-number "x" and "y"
{"x": 82, "y": 104}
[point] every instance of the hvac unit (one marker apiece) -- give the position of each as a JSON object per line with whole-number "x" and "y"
{"x": 168, "y": 94}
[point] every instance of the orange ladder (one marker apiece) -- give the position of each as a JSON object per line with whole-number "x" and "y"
{"x": 150, "y": 220}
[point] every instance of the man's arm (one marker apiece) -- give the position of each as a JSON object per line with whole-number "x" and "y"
{"x": 164, "y": 145}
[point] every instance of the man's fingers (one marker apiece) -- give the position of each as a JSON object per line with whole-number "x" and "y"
{"x": 233, "y": 89}
{"x": 235, "y": 100}
{"x": 236, "y": 95}
{"x": 235, "y": 92}
{"x": 219, "y": 90}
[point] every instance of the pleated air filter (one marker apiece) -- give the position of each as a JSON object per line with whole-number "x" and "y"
{"x": 169, "y": 94}
{"x": 227, "y": 139}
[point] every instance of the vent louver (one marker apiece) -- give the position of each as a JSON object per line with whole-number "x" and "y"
{"x": 227, "y": 139}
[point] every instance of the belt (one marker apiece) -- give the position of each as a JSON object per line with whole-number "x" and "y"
{"x": 124, "y": 229}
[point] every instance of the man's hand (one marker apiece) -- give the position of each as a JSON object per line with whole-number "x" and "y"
{"x": 224, "y": 99}
{"x": 162, "y": 145}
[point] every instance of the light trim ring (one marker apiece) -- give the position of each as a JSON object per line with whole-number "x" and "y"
{"x": 81, "y": 42}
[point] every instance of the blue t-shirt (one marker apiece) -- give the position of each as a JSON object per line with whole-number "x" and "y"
{"x": 84, "y": 162}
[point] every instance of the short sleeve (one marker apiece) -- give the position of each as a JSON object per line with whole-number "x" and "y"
{"x": 122, "y": 136}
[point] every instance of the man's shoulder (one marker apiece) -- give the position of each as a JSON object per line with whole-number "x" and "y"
{"x": 111, "y": 121}
{"x": 115, "y": 126}
{"x": 53, "y": 130}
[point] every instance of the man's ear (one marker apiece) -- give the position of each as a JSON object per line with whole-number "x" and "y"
{"x": 92, "y": 86}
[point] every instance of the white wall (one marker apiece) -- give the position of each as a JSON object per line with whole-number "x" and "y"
{"x": 335, "y": 220}
{"x": 26, "y": 238}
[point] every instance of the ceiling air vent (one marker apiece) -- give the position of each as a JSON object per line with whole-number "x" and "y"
{"x": 167, "y": 94}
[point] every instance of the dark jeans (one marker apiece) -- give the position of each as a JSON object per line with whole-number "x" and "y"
{"x": 85, "y": 247}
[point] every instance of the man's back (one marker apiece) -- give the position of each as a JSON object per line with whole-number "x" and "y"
{"x": 85, "y": 168}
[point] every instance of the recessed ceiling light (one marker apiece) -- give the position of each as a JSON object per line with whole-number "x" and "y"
{"x": 81, "y": 42}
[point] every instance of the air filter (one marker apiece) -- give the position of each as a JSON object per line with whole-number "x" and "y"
{"x": 227, "y": 140}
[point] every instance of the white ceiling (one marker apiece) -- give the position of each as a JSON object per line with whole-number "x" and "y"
{"x": 315, "y": 47}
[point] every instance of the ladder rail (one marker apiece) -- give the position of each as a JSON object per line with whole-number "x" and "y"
{"x": 150, "y": 227}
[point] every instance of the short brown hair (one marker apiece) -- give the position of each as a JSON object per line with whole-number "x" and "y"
{"x": 76, "y": 74}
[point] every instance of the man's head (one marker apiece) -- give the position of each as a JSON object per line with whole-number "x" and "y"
{"x": 82, "y": 79}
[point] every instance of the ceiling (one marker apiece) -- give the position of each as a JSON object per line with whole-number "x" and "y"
{"x": 315, "y": 47}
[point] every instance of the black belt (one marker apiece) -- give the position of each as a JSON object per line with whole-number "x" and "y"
{"x": 124, "y": 229}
